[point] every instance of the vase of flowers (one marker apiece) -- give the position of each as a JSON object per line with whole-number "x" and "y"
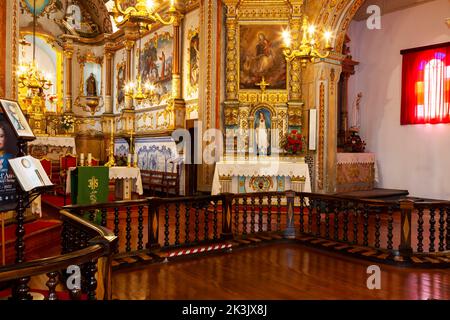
{"x": 292, "y": 143}
{"x": 67, "y": 123}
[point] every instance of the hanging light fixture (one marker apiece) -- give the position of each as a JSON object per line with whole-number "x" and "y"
{"x": 29, "y": 76}
{"x": 137, "y": 90}
{"x": 143, "y": 13}
{"x": 308, "y": 50}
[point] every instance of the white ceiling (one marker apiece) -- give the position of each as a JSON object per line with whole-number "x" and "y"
{"x": 387, "y": 6}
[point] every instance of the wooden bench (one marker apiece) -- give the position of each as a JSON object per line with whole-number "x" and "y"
{"x": 163, "y": 182}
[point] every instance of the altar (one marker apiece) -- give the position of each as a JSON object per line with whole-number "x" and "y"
{"x": 261, "y": 175}
{"x": 51, "y": 147}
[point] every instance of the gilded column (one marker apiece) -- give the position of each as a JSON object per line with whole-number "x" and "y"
{"x": 129, "y": 45}
{"x": 108, "y": 82}
{"x": 231, "y": 55}
{"x": 176, "y": 78}
{"x": 68, "y": 53}
{"x": 295, "y": 71}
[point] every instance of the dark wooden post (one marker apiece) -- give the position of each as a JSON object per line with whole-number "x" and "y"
{"x": 290, "y": 229}
{"x": 227, "y": 202}
{"x": 406, "y": 208}
{"x": 447, "y": 210}
{"x": 153, "y": 224}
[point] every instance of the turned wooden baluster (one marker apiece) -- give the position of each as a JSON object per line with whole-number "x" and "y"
{"x": 236, "y": 216}
{"x": 20, "y": 228}
{"x": 318, "y": 218}
{"x": 206, "y": 227}
{"x": 269, "y": 213}
{"x": 432, "y": 230}
{"x": 420, "y": 230}
{"x": 327, "y": 219}
{"x": 140, "y": 227}
{"x": 355, "y": 224}
{"x": 197, "y": 222}
{"x": 128, "y": 230}
{"x": 441, "y": 229}
{"x": 76, "y": 240}
{"x": 51, "y": 284}
{"x": 166, "y": 225}
{"x": 91, "y": 281}
{"x": 337, "y": 209}
{"x": 64, "y": 237}
{"x": 116, "y": 226}
{"x": 187, "y": 215}
{"x": 278, "y": 212}
{"x": 302, "y": 218}
{"x": 390, "y": 235}
{"x": 447, "y": 247}
{"x": 21, "y": 289}
{"x": 177, "y": 223}
{"x": 346, "y": 221}
{"x": 103, "y": 223}
{"x": 92, "y": 215}
{"x": 252, "y": 215}
{"x": 260, "y": 216}
{"x": 244, "y": 216}
{"x": 377, "y": 228}
{"x": 83, "y": 239}
{"x": 310, "y": 215}
{"x": 215, "y": 222}
{"x": 71, "y": 238}
{"x": 366, "y": 226}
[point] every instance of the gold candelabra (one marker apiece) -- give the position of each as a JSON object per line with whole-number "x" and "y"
{"x": 307, "y": 51}
{"x": 111, "y": 161}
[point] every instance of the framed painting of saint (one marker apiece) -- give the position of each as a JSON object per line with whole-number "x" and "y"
{"x": 194, "y": 62}
{"x": 261, "y": 56}
{"x": 120, "y": 83}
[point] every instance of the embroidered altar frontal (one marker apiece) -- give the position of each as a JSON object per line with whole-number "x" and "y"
{"x": 89, "y": 185}
{"x": 355, "y": 172}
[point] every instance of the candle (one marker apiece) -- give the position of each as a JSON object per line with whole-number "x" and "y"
{"x": 129, "y": 159}
{"x": 81, "y": 159}
{"x": 135, "y": 159}
{"x": 89, "y": 159}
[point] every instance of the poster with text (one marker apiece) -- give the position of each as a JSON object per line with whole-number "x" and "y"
{"x": 8, "y": 150}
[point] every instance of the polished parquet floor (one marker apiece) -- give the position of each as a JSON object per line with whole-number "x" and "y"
{"x": 277, "y": 271}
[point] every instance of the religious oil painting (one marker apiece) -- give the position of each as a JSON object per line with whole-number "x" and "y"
{"x": 156, "y": 63}
{"x": 194, "y": 59}
{"x": 262, "y": 126}
{"x": 120, "y": 83}
{"x": 261, "y": 56}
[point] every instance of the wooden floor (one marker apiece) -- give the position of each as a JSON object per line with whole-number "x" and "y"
{"x": 278, "y": 271}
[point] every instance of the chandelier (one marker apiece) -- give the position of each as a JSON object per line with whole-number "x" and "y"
{"x": 29, "y": 76}
{"x": 143, "y": 13}
{"x": 308, "y": 50}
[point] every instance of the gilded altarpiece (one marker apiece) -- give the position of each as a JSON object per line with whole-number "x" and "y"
{"x": 259, "y": 81}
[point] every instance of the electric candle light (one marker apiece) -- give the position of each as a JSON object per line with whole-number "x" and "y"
{"x": 81, "y": 159}
{"x": 89, "y": 159}
{"x": 129, "y": 159}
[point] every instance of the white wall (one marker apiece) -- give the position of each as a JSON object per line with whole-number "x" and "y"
{"x": 414, "y": 157}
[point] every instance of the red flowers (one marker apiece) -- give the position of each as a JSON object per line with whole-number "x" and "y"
{"x": 292, "y": 143}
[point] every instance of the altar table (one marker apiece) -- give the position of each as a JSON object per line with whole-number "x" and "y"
{"x": 355, "y": 172}
{"x": 124, "y": 178}
{"x": 260, "y": 175}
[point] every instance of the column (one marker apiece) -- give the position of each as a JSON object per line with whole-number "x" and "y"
{"x": 108, "y": 82}
{"x": 129, "y": 45}
{"x": 68, "y": 54}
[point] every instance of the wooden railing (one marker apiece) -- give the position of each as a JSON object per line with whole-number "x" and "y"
{"x": 394, "y": 227}
{"x": 85, "y": 245}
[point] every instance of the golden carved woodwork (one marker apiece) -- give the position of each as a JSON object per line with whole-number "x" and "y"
{"x": 321, "y": 146}
{"x": 272, "y": 97}
{"x": 231, "y": 116}
{"x": 295, "y": 116}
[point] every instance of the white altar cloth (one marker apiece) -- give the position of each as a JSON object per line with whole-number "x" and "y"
{"x": 55, "y": 141}
{"x": 257, "y": 168}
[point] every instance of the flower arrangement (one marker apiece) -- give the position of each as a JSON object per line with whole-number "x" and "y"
{"x": 292, "y": 142}
{"x": 67, "y": 122}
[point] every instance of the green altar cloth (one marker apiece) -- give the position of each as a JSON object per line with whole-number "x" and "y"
{"x": 89, "y": 185}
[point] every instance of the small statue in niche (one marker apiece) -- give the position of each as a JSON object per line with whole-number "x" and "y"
{"x": 91, "y": 86}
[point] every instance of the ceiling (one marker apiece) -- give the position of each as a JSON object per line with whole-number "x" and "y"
{"x": 386, "y": 6}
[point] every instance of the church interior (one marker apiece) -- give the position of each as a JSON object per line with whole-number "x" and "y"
{"x": 224, "y": 149}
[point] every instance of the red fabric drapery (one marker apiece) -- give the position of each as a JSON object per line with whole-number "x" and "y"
{"x": 426, "y": 86}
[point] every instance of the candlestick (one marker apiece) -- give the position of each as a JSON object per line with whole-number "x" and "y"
{"x": 135, "y": 160}
{"x": 129, "y": 160}
{"x": 89, "y": 159}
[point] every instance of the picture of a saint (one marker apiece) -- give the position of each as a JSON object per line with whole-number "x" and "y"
{"x": 91, "y": 86}
{"x": 120, "y": 83}
{"x": 194, "y": 61}
{"x": 17, "y": 119}
{"x": 17, "y": 122}
{"x": 262, "y": 133}
{"x": 261, "y": 56}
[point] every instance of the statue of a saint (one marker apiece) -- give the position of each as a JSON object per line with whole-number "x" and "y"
{"x": 262, "y": 135}
{"x": 91, "y": 86}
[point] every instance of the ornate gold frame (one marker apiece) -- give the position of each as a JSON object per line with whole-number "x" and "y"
{"x": 88, "y": 57}
{"x": 51, "y": 6}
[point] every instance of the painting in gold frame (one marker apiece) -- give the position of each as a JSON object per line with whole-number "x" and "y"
{"x": 261, "y": 55}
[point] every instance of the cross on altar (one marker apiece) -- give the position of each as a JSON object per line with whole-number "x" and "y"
{"x": 263, "y": 84}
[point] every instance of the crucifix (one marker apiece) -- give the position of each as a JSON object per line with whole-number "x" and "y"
{"x": 263, "y": 84}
